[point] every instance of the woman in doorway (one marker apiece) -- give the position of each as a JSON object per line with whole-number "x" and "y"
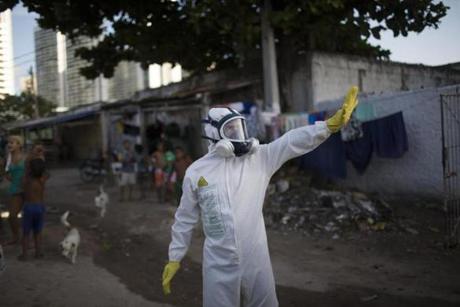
{"x": 15, "y": 173}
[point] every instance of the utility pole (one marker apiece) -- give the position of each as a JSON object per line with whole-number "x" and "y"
{"x": 271, "y": 88}
{"x": 32, "y": 92}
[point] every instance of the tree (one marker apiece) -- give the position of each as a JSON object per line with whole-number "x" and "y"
{"x": 22, "y": 107}
{"x": 210, "y": 34}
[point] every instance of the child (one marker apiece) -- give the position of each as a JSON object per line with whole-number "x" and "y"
{"x": 15, "y": 170}
{"x": 34, "y": 209}
{"x": 170, "y": 178}
{"x": 36, "y": 152}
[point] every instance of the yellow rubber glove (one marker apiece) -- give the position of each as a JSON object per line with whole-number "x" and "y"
{"x": 342, "y": 116}
{"x": 168, "y": 273}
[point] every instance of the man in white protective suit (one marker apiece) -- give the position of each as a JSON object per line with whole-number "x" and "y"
{"x": 226, "y": 187}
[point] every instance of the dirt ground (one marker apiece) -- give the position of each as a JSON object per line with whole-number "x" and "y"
{"x": 122, "y": 257}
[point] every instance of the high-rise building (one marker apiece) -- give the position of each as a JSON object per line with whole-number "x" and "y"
{"x": 59, "y": 78}
{"x": 79, "y": 89}
{"x": 128, "y": 78}
{"x": 6, "y": 54}
{"x": 46, "y": 61}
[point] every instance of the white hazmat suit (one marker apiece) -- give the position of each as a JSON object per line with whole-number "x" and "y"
{"x": 228, "y": 194}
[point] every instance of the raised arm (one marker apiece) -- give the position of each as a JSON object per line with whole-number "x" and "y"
{"x": 293, "y": 144}
{"x": 302, "y": 140}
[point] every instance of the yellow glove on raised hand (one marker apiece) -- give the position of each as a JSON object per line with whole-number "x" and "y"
{"x": 342, "y": 116}
{"x": 168, "y": 273}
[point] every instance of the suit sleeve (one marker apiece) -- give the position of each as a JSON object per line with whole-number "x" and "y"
{"x": 292, "y": 144}
{"x": 186, "y": 217}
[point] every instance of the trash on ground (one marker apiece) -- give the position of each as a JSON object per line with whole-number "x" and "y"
{"x": 292, "y": 204}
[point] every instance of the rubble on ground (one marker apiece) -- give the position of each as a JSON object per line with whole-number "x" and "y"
{"x": 293, "y": 205}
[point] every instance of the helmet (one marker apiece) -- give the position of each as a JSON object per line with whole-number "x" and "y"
{"x": 226, "y": 128}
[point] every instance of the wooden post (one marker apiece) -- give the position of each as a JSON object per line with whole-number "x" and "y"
{"x": 104, "y": 122}
{"x": 271, "y": 88}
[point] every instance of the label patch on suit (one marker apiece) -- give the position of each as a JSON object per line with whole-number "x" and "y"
{"x": 202, "y": 182}
{"x": 211, "y": 214}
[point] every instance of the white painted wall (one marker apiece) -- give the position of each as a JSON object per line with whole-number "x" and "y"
{"x": 332, "y": 74}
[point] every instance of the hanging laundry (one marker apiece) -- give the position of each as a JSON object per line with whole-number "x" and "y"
{"x": 131, "y": 130}
{"x": 359, "y": 151}
{"x": 352, "y": 130}
{"x": 317, "y": 116}
{"x": 365, "y": 112}
{"x": 328, "y": 159}
{"x": 243, "y": 107}
{"x": 389, "y": 136}
{"x": 386, "y": 136}
{"x": 119, "y": 127}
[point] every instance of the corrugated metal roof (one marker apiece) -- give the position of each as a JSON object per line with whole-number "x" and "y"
{"x": 73, "y": 115}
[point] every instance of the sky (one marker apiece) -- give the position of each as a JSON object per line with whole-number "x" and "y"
{"x": 431, "y": 47}
{"x": 23, "y": 43}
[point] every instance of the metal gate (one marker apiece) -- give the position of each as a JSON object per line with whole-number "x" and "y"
{"x": 450, "y": 119}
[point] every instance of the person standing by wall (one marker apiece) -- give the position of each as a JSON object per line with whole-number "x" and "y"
{"x": 128, "y": 175}
{"x": 15, "y": 173}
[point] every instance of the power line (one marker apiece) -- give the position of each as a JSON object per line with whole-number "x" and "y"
{"x": 23, "y": 63}
{"x": 34, "y": 51}
{"x": 23, "y": 55}
{"x": 37, "y": 50}
{"x": 31, "y": 52}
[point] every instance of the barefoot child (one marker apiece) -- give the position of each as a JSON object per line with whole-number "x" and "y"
{"x": 34, "y": 209}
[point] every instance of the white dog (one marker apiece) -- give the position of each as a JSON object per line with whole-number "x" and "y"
{"x": 101, "y": 201}
{"x": 71, "y": 241}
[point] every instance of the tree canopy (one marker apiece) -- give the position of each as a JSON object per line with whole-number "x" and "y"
{"x": 205, "y": 34}
{"x": 22, "y": 107}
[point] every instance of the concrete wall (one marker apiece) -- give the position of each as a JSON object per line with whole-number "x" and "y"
{"x": 419, "y": 172}
{"x": 332, "y": 74}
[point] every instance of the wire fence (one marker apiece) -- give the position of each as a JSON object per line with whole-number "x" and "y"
{"x": 450, "y": 119}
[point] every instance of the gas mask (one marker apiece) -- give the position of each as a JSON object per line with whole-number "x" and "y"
{"x": 231, "y": 138}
